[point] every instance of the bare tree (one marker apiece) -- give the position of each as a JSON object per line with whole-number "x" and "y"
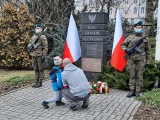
{"x": 51, "y": 10}
{"x": 151, "y": 6}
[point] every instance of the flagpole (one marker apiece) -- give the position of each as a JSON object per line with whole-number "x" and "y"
{"x": 157, "y": 52}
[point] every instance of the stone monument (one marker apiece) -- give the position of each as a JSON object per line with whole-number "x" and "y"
{"x": 95, "y": 42}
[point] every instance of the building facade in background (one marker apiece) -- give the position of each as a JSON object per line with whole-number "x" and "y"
{"x": 132, "y": 10}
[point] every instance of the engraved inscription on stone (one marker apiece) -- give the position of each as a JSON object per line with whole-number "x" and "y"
{"x": 91, "y": 33}
{"x": 95, "y": 38}
{"x": 91, "y": 27}
{"x": 93, "y": 49}
{"x": 92, "y": 64}
{"x": 94, "y": 32}
{"x": 94, "y": 27}
{"x": 92, "y": 38}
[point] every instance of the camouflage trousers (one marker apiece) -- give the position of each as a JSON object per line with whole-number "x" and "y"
{"x": 38, "y": 68}
{"x": 136, "y": 70}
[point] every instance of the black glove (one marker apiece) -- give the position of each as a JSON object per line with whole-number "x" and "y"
{"x": 43, "y": 59}
{"x": 128, "y": 50}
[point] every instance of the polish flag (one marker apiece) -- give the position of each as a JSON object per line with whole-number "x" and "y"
{"x": 72, "y": 48}
{"x": 117, "y": 59}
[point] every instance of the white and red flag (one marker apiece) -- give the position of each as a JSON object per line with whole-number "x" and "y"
{"x": 117, "y": 59}
{"x": 72, "y": 48}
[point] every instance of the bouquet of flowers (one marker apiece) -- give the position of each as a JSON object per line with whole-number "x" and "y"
{"x": 99, "y": 87}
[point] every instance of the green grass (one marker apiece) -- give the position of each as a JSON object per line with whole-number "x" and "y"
{"x": 151, "y": 98}
{"x": 18, "y": 77}
{"x": 18, "y": 80}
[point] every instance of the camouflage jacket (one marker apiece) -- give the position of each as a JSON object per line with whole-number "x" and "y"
{"x": 144, "y": 46}
{"x": 42, "y": 48}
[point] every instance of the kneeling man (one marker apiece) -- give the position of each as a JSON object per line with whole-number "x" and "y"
{"x": 76, "y": 85}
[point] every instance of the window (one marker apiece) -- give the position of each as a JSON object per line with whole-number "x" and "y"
{"x": 90, "y": 3}
{"x": 126, "y": 10}
{"x": 135, "y": 1}
{"x": 132, "y": 22}
{"x": 77, "y": 3}
{"x": 142, "y": 10}
{"x": 143, "y": 1}
{"x": 126, "y": 1}
{"x": 111, "y": 11}
{"x": 142, "y": 19}
{"x": 97, "y": 4}
{"x": 135, "y": 10}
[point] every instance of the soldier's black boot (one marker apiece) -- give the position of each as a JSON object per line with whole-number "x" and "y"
{"x": 45, "y": 104}
{"x": 59, "y": 103}
{"x": 41, "y": 77}
{"x": 38, "y": 85}
{"x": 137, "y": 94}
{"x": 36, "y": 79}
{"x": 130, "y": 94}
{"x": 85, "y": 104}
{"x": 34, "y": 84}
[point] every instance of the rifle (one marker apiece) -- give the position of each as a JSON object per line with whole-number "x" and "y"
{"x": 34, "y": 46}
{"x": 135, "y": 48}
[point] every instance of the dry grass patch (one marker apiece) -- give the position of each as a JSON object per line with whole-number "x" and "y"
{"x": 8, "y": 75}
{"x": 13, "y": 79}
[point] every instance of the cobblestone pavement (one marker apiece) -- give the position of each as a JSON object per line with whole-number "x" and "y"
{"x": 25, "y": 104}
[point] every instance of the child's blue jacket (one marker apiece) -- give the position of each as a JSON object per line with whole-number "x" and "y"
{"x": 56, "y": 79}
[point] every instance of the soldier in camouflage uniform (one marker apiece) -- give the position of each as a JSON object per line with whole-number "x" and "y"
{"x": 137, "y": 62}
{"x": 38, "y": 54}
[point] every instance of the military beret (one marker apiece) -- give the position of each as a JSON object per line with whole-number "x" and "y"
{"x": 140, "y": 23}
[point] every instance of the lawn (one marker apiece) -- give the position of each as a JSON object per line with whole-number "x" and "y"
{"x": 15, "y": 77}
{"x": 150, "y": 108}
{"x": 151, "y": 98}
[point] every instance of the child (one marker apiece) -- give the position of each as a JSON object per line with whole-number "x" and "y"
{"x": 55, "y": 76}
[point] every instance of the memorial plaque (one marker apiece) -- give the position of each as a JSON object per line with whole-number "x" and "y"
{"x": 94, "y": 50}
{"x": 92, "y": 64}
{"x": 94, "y": 38}
{"x": 94, "y": 27}
{"x": 95, "y": 43}
{"x": 94, "y": 32}
{"x": 94, "y": 17}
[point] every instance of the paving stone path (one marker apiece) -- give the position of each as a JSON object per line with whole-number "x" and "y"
{"x": 25, "y": 104}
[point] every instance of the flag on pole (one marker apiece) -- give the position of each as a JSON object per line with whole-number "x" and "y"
{"x": 117, "y": 58}
{"x": 157, "y": 53}
{"x": 72, "y": 48}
